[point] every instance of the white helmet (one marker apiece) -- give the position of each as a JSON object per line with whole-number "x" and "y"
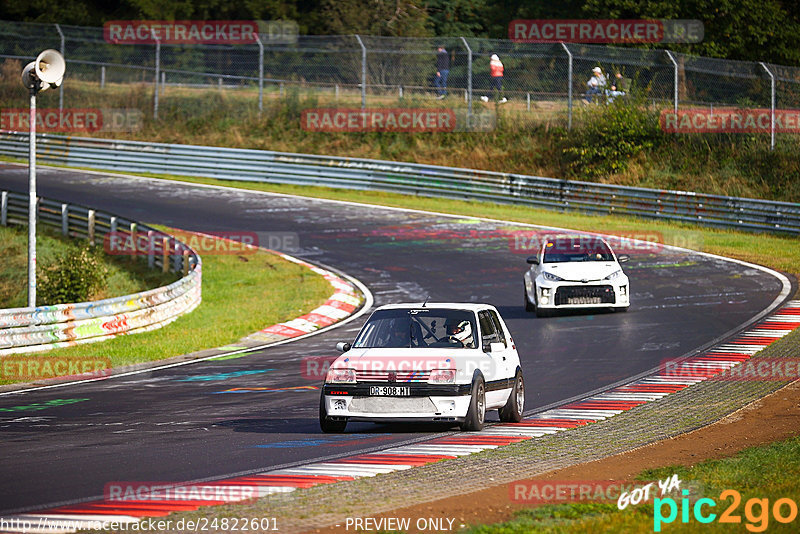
{"x": 462, "y": 331}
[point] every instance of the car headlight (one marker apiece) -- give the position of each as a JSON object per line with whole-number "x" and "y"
{"x": 613, "y": 276}
{"x": 442, "y": 376}
{"x": 552, "y": 277}
{"x": 341, "y": 376}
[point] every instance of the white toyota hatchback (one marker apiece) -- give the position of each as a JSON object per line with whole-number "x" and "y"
{"x": 574, "y": 272}
{"x": 440, "y": 362}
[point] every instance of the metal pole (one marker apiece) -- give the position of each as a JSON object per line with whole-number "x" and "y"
{"x": 260, "y": 74}
{"x": 363, "y": 73}
{"x": 675, "y": 66}
{"x": 158, "y": 68}
{"x": 771, "y": 106}
{"x": 102, "y": 77}
{"x": 469, "y": 81}
{"x": 32, "y": 204}
{"x": 569, "y": 86}
{"x": 61, "y": 88}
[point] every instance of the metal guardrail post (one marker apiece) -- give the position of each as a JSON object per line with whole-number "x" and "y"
{"x": 102, "y": 76}
{"x": 4, "y": 209}
{"x": 64, "y": 219}
{"x": 61, "y": 87}
{"x": 771, "y": 105}
{"x": 469, "y": 82}
{"x": 569, "y": 85}
{"x": 90, "y": 226}
{"x": 363, "y": 72}
{"x": 260, "y": 73}
{"x": 675, "y": 82}
{"x": 151, "y": 249}
{"x": 165, "y": 248}
{"x": 158, "y": 67}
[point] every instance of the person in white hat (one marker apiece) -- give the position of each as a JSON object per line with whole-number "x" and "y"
{"x": 496, "y": 72}
{"x": 596, "y": 83}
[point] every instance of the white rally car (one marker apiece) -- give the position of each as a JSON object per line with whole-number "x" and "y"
{"x": 573, "y": 272}
{"x": 438, "y": 362}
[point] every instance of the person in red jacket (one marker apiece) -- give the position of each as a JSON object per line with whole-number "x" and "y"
{"x": 496, "y": 72}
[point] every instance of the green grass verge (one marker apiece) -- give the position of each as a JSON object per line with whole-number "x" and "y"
{"x": 124, "y": 277}
{"x": 766, "y": 472}
{"x": 241, "y": 295}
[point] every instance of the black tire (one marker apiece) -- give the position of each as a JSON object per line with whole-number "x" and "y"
{"x": 512, "y": 411}
{"x": 621, "y": 310}
{"x": 476, "y": 415}
{"x": 528, "y": 306}
{"x": 328, "y": 425}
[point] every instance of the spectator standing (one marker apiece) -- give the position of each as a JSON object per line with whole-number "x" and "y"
{"x": 596, "y": 84}
{"x": 496, "y": 71}
{"x": 442, "y": 70}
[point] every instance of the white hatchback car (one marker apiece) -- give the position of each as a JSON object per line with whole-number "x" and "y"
{"x": 574, "y": 272}
{"x": 440, "y": 362}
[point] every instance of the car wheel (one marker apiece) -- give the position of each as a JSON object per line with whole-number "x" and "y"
{"x": 528, "y": 306}
{"x": 477, "y": 407}
{"x": 621, "y": 309}
{"x": 512, "y": 411}
{"x": 327, "y": 424}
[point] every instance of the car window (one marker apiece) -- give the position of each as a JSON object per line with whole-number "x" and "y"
{"x": 498, "y": 327}
{"x": 419, "y": 328}
{"x": 488, "y": 331}
{"x": 564, "y": 250}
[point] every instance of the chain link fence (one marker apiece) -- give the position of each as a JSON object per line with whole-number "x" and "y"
{"x": 549, "y": 80}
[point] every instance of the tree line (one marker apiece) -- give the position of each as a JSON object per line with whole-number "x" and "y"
{"x": 754, "y": 30}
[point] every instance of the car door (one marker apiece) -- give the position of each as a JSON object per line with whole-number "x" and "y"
{"x": 497, "y": 370}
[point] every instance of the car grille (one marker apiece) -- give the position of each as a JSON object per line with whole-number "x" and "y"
{"x": 367, "y": 375}
{"x": 564, "y": 294}
{"x": 392, "y": 405}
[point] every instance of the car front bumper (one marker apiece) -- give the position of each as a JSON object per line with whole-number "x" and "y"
{"x": 576, "y": 295}
{"x": 424, "y": 403}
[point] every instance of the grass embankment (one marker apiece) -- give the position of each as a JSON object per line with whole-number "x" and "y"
{"x": 766, "y": 473}
{"x": 123, "y": 276}
{"x": 241, "y": 294}
{"x": 606, "y": 145}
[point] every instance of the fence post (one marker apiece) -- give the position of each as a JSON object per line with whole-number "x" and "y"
{"x": 158, "y": 67}
{"x": 61, "y": 87}
{"x": 363, "y": 72}
{"x": 90, "y": 227}
{"x": 569, "y": 85}
{"x": 260, "y": 74}
{"x": 771, "y": 105}
{"x": 165, "y": 250}
{"x": 151, "y": 249}
{"x": 469, "y": 82}
{"x": 102, "y": 77}
{"x": 675, "y": 88}
{"x": 4, "y": 209}
{"x": 64, "y": 219}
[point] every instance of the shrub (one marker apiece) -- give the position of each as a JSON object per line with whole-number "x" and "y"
{"x": 76, "y": 276}
{"x": 607, "y": 137}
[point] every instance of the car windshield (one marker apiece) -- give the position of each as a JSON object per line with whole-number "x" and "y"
{"x": 576, "y": 249}
{"x": 419, "y": 328}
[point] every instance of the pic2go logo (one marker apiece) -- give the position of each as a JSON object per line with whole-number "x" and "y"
{"x": 756, "y": 511}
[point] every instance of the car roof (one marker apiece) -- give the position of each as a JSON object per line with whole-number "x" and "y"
{"x": 471, "y": 306}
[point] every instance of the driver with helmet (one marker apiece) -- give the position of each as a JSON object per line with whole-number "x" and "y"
{"x": 459, "y": 330}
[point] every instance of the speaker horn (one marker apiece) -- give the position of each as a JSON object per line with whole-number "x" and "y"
{"x": 29, "y": 76}
{"x": 50, "y": 67}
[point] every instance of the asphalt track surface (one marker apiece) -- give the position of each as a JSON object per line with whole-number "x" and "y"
{"x": 183, "y": 423}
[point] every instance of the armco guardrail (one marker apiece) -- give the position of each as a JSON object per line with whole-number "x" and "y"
{"x": 46, "y": 327}
{"x": 411, "y": 178}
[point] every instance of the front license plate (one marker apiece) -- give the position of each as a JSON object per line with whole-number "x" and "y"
{"x": 583, "y": 300}
{"x": 390, "y": 391}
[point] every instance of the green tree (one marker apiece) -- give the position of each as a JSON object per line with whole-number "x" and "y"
{"x": 377, "y": 17}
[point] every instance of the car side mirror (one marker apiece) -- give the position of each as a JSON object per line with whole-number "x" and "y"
{"x": 493, "y": 347}
{"x": 622, "y": 258}
{"x": 533, "y": 260}
{"x": 343, "y": 346}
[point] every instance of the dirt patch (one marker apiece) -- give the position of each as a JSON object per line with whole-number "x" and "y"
{"x": 773, "y": 418}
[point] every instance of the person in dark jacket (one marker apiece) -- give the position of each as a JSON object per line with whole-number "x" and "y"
{"x": 442, "y": 70}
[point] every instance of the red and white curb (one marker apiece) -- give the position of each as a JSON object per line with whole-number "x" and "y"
{"x": 339, "y": 306}
{"x": 586, "y": 411}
